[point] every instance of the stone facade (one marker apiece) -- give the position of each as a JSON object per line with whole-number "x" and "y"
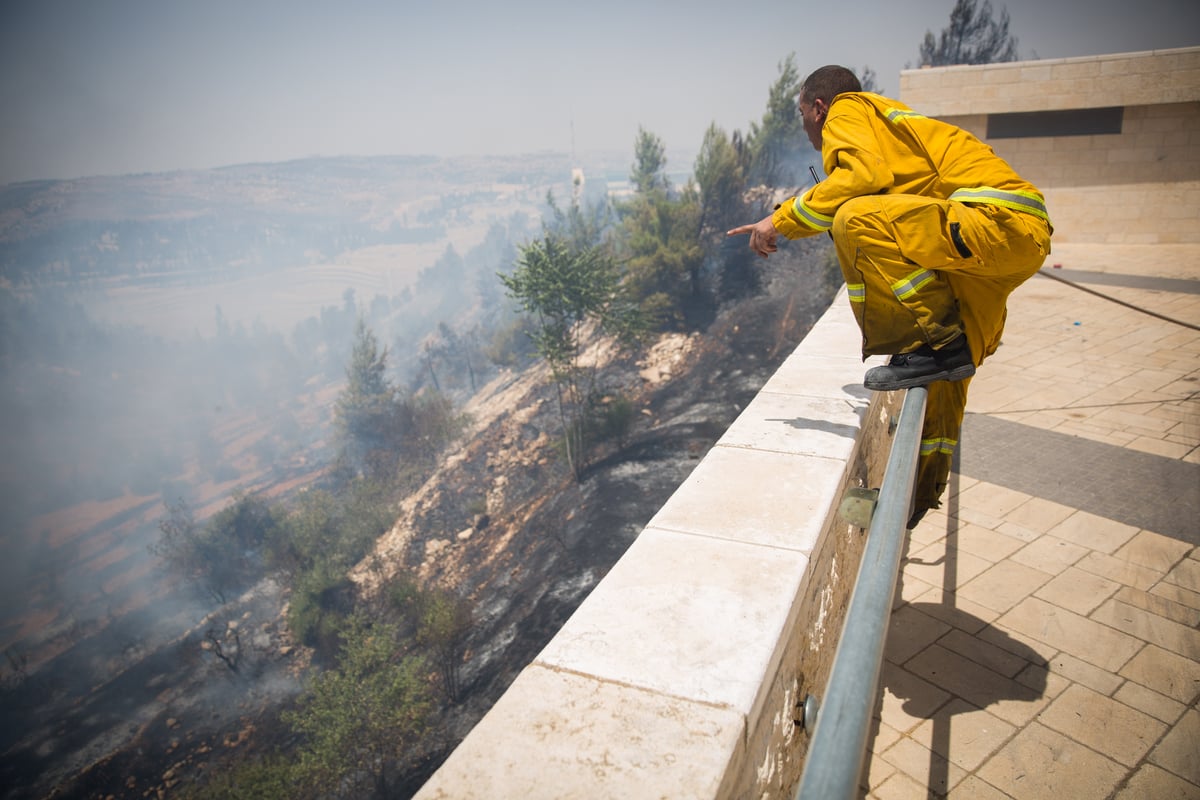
{"x": 1138, "y": 186}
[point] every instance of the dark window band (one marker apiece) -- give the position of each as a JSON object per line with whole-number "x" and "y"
{"x": 1071, "y": 122}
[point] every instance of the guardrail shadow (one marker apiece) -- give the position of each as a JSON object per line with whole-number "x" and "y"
{"x": 949, "y": 671}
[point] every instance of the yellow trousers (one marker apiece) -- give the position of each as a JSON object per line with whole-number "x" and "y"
{"x": 921, "y": 270}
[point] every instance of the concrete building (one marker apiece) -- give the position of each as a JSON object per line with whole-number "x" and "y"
{"x": 1113, "y": 140}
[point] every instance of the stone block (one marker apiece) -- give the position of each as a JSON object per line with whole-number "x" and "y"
{"x": 755, "y": 497}
{"x": 684, "y": 615}
{"x": 556, "y": 735}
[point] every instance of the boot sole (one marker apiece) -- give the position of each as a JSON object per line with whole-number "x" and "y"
{"x": 956, "y": 374}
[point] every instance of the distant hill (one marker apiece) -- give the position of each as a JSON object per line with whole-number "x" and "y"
{"x": 379, "y": 219}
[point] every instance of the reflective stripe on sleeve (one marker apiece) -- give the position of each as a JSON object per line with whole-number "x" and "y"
{"x": 809, "y": 217}
{"x": 907, "y": 287}
{"x": 857, "y": 292}
{"x": 894, "y": 114}
{"x": 1029, "y": 202}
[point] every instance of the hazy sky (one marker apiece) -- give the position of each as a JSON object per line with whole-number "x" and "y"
{"x": 118, "y": 86}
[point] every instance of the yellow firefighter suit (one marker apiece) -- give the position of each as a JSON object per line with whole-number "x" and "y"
{"x": 933, "y": 231}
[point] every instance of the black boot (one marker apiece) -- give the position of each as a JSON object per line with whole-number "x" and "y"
{"x": 924, "y": 365}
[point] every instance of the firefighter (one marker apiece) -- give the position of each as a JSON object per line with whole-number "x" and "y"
{"x": 933, "y": 231}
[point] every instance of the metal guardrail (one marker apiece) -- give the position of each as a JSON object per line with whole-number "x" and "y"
{"x": 839, "y": 743}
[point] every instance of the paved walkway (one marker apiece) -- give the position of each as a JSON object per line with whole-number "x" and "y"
{"x": 1046, "y": 636}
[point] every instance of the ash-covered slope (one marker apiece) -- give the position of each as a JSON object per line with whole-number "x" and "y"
{"x": 546, "y": 540}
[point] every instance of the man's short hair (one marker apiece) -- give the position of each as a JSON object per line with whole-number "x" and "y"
{"x": 827, "y": 83}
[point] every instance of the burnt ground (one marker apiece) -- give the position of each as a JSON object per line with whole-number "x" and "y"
{"x": 555, "y": 554}
{"x": 173, "y": 712}
{"x": 169, "y": 703}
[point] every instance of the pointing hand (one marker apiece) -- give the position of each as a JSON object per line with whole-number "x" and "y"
{"x": 762, "y": 236}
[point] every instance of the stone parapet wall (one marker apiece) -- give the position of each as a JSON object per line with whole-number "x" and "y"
{"x": 1153, "y": 77}
{"x": 681, "y": 674}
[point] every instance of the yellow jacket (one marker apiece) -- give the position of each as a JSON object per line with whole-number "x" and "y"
{"x": 874, "y": 145}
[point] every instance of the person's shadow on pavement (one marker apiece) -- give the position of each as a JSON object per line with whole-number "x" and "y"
{"x": 940, "y": 661}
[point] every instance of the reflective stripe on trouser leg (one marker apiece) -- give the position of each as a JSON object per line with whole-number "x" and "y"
{"x": 904, "y": 302}
{"x": 938, "y": 444}
{"x": 944, "y": 410}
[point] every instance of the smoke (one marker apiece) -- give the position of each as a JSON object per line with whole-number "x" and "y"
{"x": 184, "y": 336}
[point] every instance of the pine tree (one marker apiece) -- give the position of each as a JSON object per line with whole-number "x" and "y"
{"x": 649, "y": 163}
{"x": 973, "y": 37}
{"x": 366, "y": 412}
{"x": 778, "y": 143}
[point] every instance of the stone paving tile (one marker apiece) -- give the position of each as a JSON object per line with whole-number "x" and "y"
{"x": 979, "y": 541}
{"x": 1094, "y": 532}
{"x": 1166, "y": 673}
{"x": 910, "y": 589}
{"x": 1082, "y": 637}
{"x": 978, "y": 789}
{"x": 932, "y": 529}
{"x": 875, "y": 774}
{"x": 963, "y": 734}
{"x": 1050, "y": 554}
{"x": 929, "y": 565}
{"x": 1154, "y": 783}
{"x": 901, "y": 787}
{"x": 1161, "y": 447}
{"x": 1177, "y": 594}
{"x": 1003, "y": 585}
{"x": 990, "y": 500}
{"x": 1150, "y": 627}
{"x": 1157, "y": 604}
{"x": 1101, "y": 434}
{"x": 922, "y": 764}
{"x": 907, "y": 699}
{"x": 1040, "y": 678}
{"x": 954, "y": 610}
{"x": 1107, "y": 726}
{"x": 1011, "y": 529}
{"x": 1186, "y": 575}
{"x": 1125, "y": 572}
{"x": 884, "y": 736}
{"x": 1085, "y": 674}
{"x": 1189, "y": 443}
{"x": 1153, "y": 550}
{"x": 1078, "y": 591}
{"x": 1018, "y": 643}
{"x": 1176, "y": 753}
{"x": 1008, "y": 699}
{"x": 1149, "y": 701}
{"x": 981, "y": 652}
{"x": 1042, "y": 764}
{"x": 911, "y": 631}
